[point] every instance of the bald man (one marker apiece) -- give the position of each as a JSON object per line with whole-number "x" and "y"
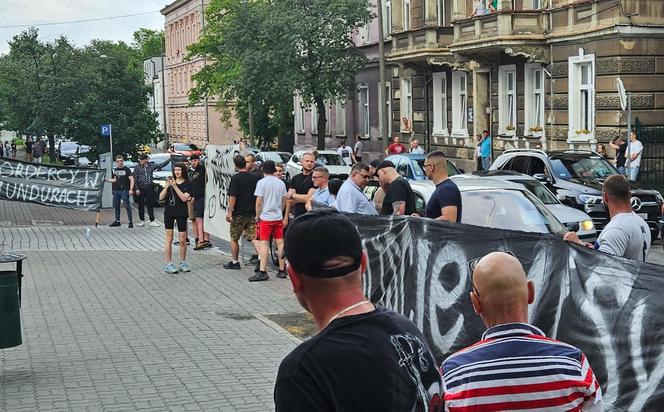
{"x": 515, "y": 366}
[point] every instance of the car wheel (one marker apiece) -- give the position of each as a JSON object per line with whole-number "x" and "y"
{"x": 274, "y": 256}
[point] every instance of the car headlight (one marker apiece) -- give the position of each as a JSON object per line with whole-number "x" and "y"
{"x": 587, "y": 225}
{"x": 590, "y": 199}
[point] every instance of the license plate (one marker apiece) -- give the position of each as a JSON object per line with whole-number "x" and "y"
{"x": 643, "y": 215}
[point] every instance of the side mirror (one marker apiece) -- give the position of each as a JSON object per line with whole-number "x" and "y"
{"x": 403, "y": 173}
{"x": 462, "y": 171}
{"x": 573, "y": 227}
{"x": 541, "y": 177}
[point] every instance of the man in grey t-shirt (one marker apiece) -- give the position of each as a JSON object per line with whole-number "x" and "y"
{"x": 627, "y": 234}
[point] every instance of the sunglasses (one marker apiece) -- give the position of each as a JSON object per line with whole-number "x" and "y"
{"x": 473, "y": 264}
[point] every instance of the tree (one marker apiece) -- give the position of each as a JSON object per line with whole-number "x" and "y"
{"x": 148, "y": 43}
{"x": 324, "y": 58}
{"x": 41, "y": 84}
{"x": 242, "y": 42}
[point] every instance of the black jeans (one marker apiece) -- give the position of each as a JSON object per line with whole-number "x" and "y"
{"x": 146, "y": 198}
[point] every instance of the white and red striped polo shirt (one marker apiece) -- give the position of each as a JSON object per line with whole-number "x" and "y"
{"x": 516, "y": 367}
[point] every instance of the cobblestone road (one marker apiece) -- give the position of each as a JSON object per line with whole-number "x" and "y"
{"x": 105, "y": 329}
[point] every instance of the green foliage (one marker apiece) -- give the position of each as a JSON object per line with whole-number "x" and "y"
{"x": 148, "y": 43}
{"x": 264, "y": 50}
{"x": 54, "y": 88}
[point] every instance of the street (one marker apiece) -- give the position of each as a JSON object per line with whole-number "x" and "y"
{"x": 105, "y": 328}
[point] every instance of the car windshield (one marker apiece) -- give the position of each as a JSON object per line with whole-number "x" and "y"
{"x": 592, "y": 167}
{"x": 162, "y": 159}
{"x": 68, "y": 147}
{"x": 508, "y": 209}
{"x": 539, "y": 190}
{"x": 185, "y": 147}
{"x": 330, "y": 159}
{"x": 418, "y": 167}
{"x": 276, "y": 157}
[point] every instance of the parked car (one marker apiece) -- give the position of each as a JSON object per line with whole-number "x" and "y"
{"x": 81, "y": 159}
{"x": 276, "y": 157}
{"x": 160, "y": 176}
{"x": 66, "y": 152}
{"x": 576, "y": 178}
{"x": 184, "y": 149}
{"x": 328, "y": 158}
{"x": 495, "y": 203}
{"x": 574, "y": 219}
{"x": 411, "y": 166}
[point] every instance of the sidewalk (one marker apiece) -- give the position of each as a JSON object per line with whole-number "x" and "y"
{"x": 105, "y": 329}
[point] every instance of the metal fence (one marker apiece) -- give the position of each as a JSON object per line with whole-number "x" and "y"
{"x": 652, "y": 138}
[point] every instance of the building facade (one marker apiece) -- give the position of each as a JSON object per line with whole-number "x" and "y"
{"x": 154, "y": 73}
{"x": 536, "y": 73}
{"x": 201, "y": 123}
{"x": 358, "y": 116}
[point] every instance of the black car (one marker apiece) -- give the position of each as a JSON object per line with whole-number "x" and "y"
{"x": 576, "y": 177}
{"x": 67, "y": 152}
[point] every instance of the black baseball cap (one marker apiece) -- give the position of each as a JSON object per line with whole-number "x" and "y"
{"x": 318, "y": 236}
{"x": 383, "y": 165}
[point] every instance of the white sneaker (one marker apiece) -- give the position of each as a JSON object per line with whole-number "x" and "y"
{"x": 154, "y": 223}
{"x": 141, "y": 223}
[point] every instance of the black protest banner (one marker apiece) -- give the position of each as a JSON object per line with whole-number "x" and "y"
{"x": 609, "y": 307}
{"x": 50, "y": 185}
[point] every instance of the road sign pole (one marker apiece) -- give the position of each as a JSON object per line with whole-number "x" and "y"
{"x": 110, "y": 139}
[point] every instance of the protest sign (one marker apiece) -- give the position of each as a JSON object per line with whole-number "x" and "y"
{"x": 219, "y": 168}
{"x": 611, "y": 308}
{"x": 69, "y": 187}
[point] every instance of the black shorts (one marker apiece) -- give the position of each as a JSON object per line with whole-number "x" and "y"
{"x": 199, "y": 208}
{"x": 169, "y": 223}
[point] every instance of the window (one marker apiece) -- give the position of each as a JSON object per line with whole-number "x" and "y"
{"x": 537, "y": 4}
{"x": 363, "y": 107}
{"x": 507, "y": 100}
{"x": 387, "y": 18}
{"x": 459, "y": 104}
{"x": 340, "y": 110}
{"x": 517, "y": 164}
{"x": 440, "y": 103}
{"x": 440, "y": 4}
{"x": 299, "y": 114}
{"x": 406, "y": 104}
{"x": 406, "y": 15}
{"x": 534, "y": 100}
{"x": 314, "y": 119}
{"x": 581, "y": 97}
{"x": 363, "y": 34}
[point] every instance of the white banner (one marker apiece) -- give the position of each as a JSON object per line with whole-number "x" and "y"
{"x": 219, "y": 168}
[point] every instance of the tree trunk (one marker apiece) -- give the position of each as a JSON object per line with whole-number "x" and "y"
{"x": 51, "y": 148}
{"x": 320, "y": 106}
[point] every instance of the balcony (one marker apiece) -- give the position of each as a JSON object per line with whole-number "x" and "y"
{"x": 418, "y": 44}
{"x": 499, "y": 31}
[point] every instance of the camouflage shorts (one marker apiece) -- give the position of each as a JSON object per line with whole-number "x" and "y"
{"x": 243, "y": 225}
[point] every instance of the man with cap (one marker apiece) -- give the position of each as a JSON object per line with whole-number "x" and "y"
{"x": 399, "y": 197}
{"x": 365, "y": 357}
{"x": 351, "y": 198}
{"x": 515, "y": 366}
{"x": 144, "y": 194}
{"x": 197, "y": 179}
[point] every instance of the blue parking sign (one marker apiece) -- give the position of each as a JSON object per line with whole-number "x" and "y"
{"x": 105, "y": 130}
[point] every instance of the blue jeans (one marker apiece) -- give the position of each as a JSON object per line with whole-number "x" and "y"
{"x": 486, "y": 163}
{"x": 633, "y": 173}
{"x": 622, "y": 170}
{"x": 124, "y": 196}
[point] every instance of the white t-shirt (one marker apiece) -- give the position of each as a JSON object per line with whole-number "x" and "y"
{"x": 359, "y": 146}
{"x": 345, "y": 152}
{"x": 273, "y": 191}
{"x": 634, "y": 148}
{"x": 626, "y": 235}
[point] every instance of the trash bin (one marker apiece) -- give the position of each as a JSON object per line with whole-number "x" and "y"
{"x": 10, "y": 301}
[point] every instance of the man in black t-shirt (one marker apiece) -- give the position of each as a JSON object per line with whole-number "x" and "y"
{"x": 123, "y": 187}
{"x": 399, "y": 198}
{"x": 365, "y": 358}
{"x": 302, "y": 186}
{"x": 241, "y": 209}
{"x": 197, "y": 179}
{"x": 620, "y": 145}
{"x": 445, "y": 202}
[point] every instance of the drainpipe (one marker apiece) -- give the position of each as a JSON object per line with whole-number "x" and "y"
{"x": 427, "y": 82}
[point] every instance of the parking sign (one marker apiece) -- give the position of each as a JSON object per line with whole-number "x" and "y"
{"x": 105, "y": 130}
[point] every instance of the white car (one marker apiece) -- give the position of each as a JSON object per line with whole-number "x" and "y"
{"x": 328, "y": 158}
{"x": 495, "y": 203}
